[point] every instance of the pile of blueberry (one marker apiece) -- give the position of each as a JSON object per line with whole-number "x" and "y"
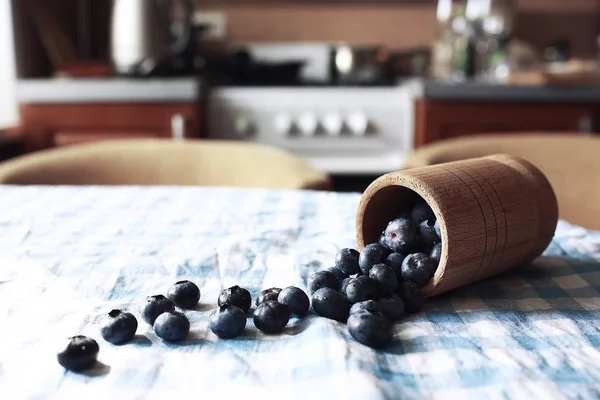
{"x": 274, "y": 307}
{"x": 369, "y": 291}
{"x": 372, "y": 289}
{"x": 119, "y": 327}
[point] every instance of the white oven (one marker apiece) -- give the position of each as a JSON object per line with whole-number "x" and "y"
{"x": 340, "y": 130}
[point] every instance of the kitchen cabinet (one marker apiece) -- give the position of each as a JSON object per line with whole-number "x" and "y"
{"x": 49, "y": 125}
{"x": 442, "y": 119}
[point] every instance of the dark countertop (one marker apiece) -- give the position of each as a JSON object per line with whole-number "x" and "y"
{"x": 112, "y": 90}
{"x": 189, "y": 89}
{"x": 475, "y": 91}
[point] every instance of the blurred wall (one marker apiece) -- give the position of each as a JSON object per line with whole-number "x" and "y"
{"x": 400, "y": 25}
{"x": 396, "y": 25}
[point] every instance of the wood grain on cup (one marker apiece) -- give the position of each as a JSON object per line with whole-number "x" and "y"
{"x": 494, "y": 212}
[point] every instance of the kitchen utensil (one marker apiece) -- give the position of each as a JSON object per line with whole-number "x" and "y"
{"x": 141, "y": 34}
{"x": 314, "y": 55}
{"x": 359, "y": 64}
{"x": 494, "y": 212}
{"x": 241, "y": 68}
{"x": 411, "y": 62}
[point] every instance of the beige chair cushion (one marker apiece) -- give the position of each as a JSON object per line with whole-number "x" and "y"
{"x": 164, "y": 162}
{"x": 570, "y": 161}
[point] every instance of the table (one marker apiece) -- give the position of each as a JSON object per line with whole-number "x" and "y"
{"x": 70, "y": 254}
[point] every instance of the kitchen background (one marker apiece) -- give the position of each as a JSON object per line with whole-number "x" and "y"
{"x": 528, "y": 65}
{"x": 398, "y": 24}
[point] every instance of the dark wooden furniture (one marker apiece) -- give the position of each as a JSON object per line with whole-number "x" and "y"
{"x": 50, "y": 125}
{"x": 10, "y": 146}
{"x": 436, "y": 119}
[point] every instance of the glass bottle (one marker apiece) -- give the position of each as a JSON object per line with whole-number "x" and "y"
{"x": 449, "y": 53}
{"x": 492, "y": 22}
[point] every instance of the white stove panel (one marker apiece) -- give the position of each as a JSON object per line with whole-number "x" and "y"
{"x": 353, "y": 130}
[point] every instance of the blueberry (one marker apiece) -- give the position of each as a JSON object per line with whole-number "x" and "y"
{"x": 154, "y": 306}
{"x": 401, "y": 235}
{"x": 339, "y": 275}
{"x": 362, "y": 288}
{"x": 322, "y": 279}
{"x": 184, "y": 294}
{"x": 392, "y": 307}
{"x": 330, "y": 304}
{"x": 419, "y": 268}
{"x": 346, "y": 260}
{"x": 386, "y": 278}
{"x": 370, "y": 329}
{"x": 267, "y": 294}
{"x": 394, "y": 260}
{"x": 367, "y": 305}
{"x": 119, "y": 327}
{"x": 344, "y": 285}
{"x": 421, "y": 212}
{"x": 296, "y": 299}
{"x": 373, "y": 285}
{"x": 372, "y": 254}
{"x": 236, "y": 296}
{"x": 271, "y": 316}
{"x": 172, "y": 326}
{"x": 80, "y": 353}
{"x": 437, "y": 229}
{"x": 228, "y": 321}
{"x": 436, "y": 253}
{"x": 427, "y": 235}
{"x": 412, "y": 296}
{"x": 382, "y": 242}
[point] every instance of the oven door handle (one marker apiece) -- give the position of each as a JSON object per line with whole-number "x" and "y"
{"x": 178, "y": 127}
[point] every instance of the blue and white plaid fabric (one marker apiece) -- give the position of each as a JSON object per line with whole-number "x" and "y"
{"x": 68, "y": 255}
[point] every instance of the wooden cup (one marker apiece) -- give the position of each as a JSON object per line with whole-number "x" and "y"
{"x": 494, "y": 213}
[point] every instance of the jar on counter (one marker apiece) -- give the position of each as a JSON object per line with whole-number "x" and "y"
{"x": 492, "y": 22}
{"x": 450, "y": 53}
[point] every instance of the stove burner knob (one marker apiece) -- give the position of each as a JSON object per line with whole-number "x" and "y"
{"x": 307, "y": 123}
{"x": 283, "y": 124}
{"x": 358, "y": 123}
{"x": 332, "y": 123}
{"x": 243, "y": 126}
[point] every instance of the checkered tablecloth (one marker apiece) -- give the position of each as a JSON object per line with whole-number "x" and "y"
{"x": 68, "y": 255}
